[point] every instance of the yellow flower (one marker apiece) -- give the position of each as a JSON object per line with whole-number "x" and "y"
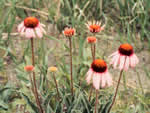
{"x": 52, "y": 69}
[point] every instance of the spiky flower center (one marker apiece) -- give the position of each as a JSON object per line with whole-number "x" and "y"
{"x": 126, "y": 49}
{"x": 69, "y": 32}
{"x": 99, "y": 65}
{"x": 31, "y": 22}
{"x": 91, "y": 39}
{"x": 94, "y": 28}
{"x": 29, "y": 68}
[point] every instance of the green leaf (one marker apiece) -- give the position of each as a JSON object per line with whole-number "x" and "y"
{"x": 30, "y": 103}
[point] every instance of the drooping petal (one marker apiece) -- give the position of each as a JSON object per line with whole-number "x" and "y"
{"x": 102, "y": 28}
{"x": 113, "y": 59}
{"x": 22, "y": 32}
{"x": 136, "y": 59}
{"x": 132, "y": 61}
{"x": 43, "y": 30}
{"x": 38, "y": 32}
{"x": 89, "y": 76}
{"x": 33, "y": 33}
{"x": 116, "y": 61}
{"x": 29, "y": 33}
{"x": 20, "y": 26}
{"x": 126, "y": 65}
{"x": 96, "y": 80}
{"x": 103, "y": 80}
{"x": 41, "y": 24}
{"x": 115, "y": 53}
{"x": 122, "y": 61}
{"x": 108, "y": 79}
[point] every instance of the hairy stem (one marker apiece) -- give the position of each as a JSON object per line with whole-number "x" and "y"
{"x": 116, "y": 91}
{"x": 94, "y": 50}
{"x": 31, "y": 80}
{"x": 70, "y": 44}
{"x": 34, "y": 80}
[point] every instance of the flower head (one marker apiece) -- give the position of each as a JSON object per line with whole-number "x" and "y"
{"x": 31, "y": 28}
{"x": 99, "y": 74}
{"x": 124, "y": 57}
{"x": 52, "y": 69}
{"x": 29, "y": 68}
{"x": 95, "y": 27}
{"x": 69, "y": 32}
{"x": 91, "y": 39}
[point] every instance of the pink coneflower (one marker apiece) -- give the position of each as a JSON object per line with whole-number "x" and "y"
{"x": 95, "y": 27}
{"x": 69, "y": 32}
{"x": 31, "y": 28}
{"x": 98, "y": 72}
{"x": 91, "y": 39}
{"x": 124, "y": 57}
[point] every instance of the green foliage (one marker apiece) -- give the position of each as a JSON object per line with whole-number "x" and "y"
{"x": 127, "y": 17}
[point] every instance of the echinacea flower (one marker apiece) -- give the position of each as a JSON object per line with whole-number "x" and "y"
{"x": 98, "y": 74}
{"x": 29, "y": 68}
{"x": 91, "y": 39}
{"x": 31, "y": 28}
{"x": 95, "y": 27}
{"x": 124, "y": 57}
{"x": 52, "y": 69}
{"x": 69, "y": 32}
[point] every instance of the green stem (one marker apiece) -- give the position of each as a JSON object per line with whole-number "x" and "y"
{"x": 124, "y": 82}
{"x": 140, "y": 83}
{"x": 96, "y": 102}
{"x": 31, "y": 81}
{"x": 91, "y": 89}
{"x": 56, "y": 85}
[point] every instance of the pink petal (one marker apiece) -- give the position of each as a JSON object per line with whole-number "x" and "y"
{"x": 122, "y": 61}
{"x": 41, "y": 24}
{"x": 89, "y": 76}
{"x": 108, "y": 79}
{"x": 29, "y": 33}
{"x": 41, "y": 28}
{"x": 22, "y": 32}
{"x": 103, "y": 80}
{"x": 126, "y": 66}
{"x": 38, "y": 32}
{"x": 96, "y": 80}
{"x": 102, "y": 28}
{"x": 20, "y": 26}
{"x": 116, "y": 61}
{"x": 115, "y": 53}
{"x": 132, "y": 61}
{"x": 113, "y": 59}
{"x": 136, "y": 59}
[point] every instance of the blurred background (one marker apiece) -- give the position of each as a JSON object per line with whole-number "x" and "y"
{"x": 126, "y": 21}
